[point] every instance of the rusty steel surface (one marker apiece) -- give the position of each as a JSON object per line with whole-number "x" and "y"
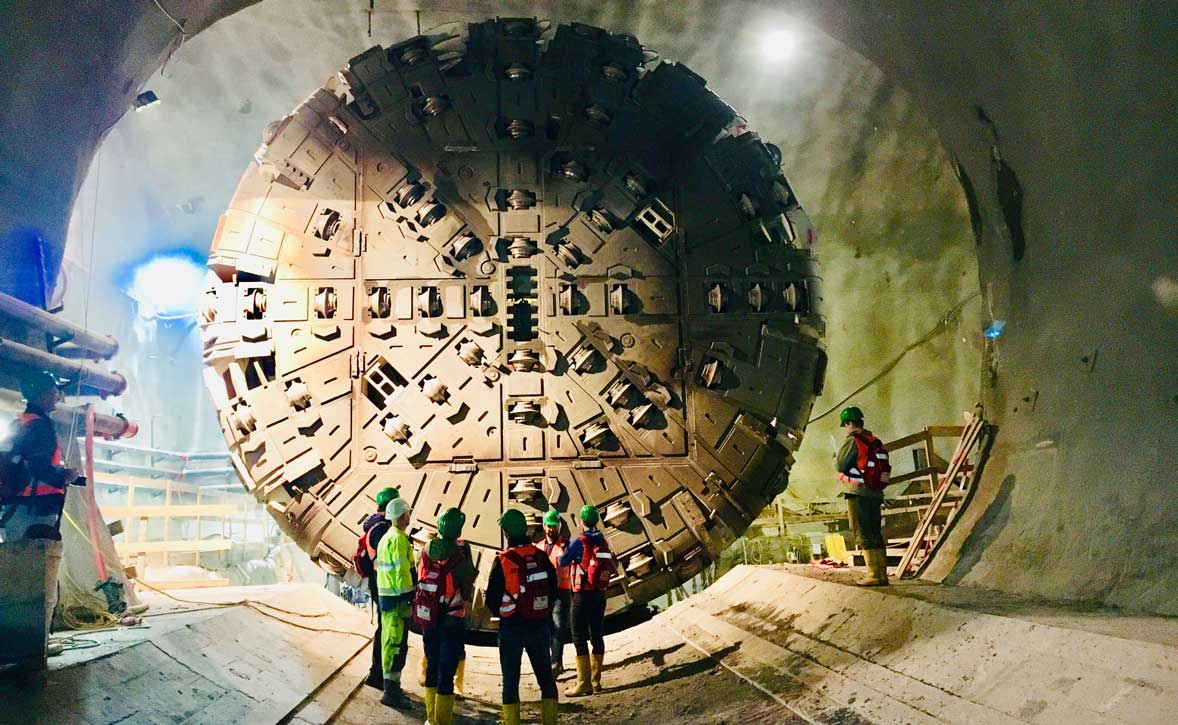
{"x": 526, "y": 267}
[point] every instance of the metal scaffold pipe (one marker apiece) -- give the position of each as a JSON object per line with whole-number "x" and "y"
{"x": 108, "y": 427}
{"x": 106, "y": 382}
{"x": 99, "y": 346}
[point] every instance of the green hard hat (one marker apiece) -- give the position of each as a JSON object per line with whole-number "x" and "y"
{"x": 552, "y": 518}
{"x": 513, "y": 523}
{"x": 589, "y": 514}
{"x": 450, "y": 523}
{"x": 850, "y": 414}
{"x": 384, "y": 496}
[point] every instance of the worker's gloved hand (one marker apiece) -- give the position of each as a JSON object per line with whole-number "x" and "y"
{"x": 79, "y": 481}
{"x": 70, "y": 477}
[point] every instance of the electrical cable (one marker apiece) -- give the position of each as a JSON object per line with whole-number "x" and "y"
{"x": 168, "y": 15}
{"x": 942, "y": 324}
{"x": 257, "y": 607}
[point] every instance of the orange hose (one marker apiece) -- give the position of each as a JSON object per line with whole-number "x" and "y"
{"x": 99, "y": 563}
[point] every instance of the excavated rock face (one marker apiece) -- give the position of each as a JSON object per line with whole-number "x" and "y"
{"x": 529, "y": 269}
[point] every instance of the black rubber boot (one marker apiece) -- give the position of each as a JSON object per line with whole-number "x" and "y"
{"x": 393, "y": 697}
{"x": 375, "y": 679}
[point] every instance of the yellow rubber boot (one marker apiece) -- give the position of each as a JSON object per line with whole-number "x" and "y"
{"x": 431, "y": 697}
{"x": 511, "y": 714}
{"x": 583, "y": 686}
{"x": 459, "y": 677}
{"x": 421, "y": 675}
{"x": 595, "y": 670}
{"x": 444, "y": 710}
{"x": 548, "y": 712}
{"x": 877, "y": 568}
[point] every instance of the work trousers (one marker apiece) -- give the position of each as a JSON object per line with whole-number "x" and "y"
{"x": 445, "y": 646}
{"x": 561, "y": 627}
{"x": 394, "y": 640}
{"x": 864, "y": 513}
{"x": 589, "y": 622}
{"x": 377, "y": 669}
{"x": 515, "y": 638}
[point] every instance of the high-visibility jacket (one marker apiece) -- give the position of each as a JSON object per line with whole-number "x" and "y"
{"x": 527, "y": 587}
{"x": 435, "y": 580}
{"x": 871, "y": 468}
{"x": 394, "y": 572}
{"x": 554, "y": 550}
{"x": 39, "y": 470}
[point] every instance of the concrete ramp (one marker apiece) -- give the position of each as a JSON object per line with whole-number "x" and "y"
{"x": 920, "y": 653}
{"x": 193, "y": 664}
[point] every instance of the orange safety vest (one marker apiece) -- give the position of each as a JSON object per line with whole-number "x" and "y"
{"x": 872, "y": 468}
{"x": 525, "y": 589}
{"x": 39, "y": 488}
{"x": 564, "y": 574}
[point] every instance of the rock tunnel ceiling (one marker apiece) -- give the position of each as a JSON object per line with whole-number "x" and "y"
{"x": 516, "y": 271}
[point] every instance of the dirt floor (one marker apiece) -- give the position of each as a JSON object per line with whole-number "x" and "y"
{"x": 674, "y": 685}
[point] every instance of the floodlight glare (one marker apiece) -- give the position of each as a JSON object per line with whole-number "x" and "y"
{"x": 778, "y": 46}
{"x": 166, "y": 286}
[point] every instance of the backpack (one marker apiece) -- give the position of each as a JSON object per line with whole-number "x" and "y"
{"x": 362, "y": 560}
{"x": 525, "y": 584}
{"x": 597, "y": 565}
{"x": 877, "y": 470}
{"x": 436, "y": 595}
{"x": 14, "y": 473}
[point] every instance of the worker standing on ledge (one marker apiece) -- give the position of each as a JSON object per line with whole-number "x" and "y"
{"x": 864, "y": 470}
{"x": 35, "y": 479}
{"x": 520, "y": 593}
{"x": 554, "y": 544}
{"x": 445, "y": 584}
{"x": 394, "y": 583}
{"x": 593, "y": 567}
{"x": 364, "y": 560}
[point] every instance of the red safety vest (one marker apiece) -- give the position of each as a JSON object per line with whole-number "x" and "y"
{"x": 437, "y": 594}
{"x": 555, "y": 550}
{"x": 872, "y": 468}
{"x": 596, "y": 567}
{"x": 39, "y": 488}
{"x": 525, "y": 584}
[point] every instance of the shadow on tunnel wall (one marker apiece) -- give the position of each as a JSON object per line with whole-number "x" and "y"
{"x": 985, "y": 531}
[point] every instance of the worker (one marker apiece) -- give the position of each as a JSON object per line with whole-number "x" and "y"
{"x": 364, "y": 561}
{"x": 35, "y": 478}
{"x": 520, "y": 593}
{"x": 864, "y": 471}
{"x": 554, "y": 544}
{"x": 394, "y": 584}
{"x": 593, "y": 567}
{"x": 445, "y": 586}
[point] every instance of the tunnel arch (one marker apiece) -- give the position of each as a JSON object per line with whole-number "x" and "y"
{"x": 1030, "y": 70}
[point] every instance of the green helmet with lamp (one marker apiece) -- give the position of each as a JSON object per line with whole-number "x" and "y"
{"x": 589, "y": 515}
{"x": 384, "y": 496}
{"x": 851, "y": 415}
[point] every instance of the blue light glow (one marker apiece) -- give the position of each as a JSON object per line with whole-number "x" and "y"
{"x": 167, "y": 285}
{"x": 994, "y": 331}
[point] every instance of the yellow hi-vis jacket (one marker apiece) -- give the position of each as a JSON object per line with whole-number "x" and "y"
{"x": 394, "y": 572}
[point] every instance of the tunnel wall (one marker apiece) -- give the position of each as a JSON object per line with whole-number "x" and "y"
{"x": 1074, "y": 503}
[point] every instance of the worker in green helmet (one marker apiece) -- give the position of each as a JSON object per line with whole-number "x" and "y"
{"x": 593, "y": 567}
{"x": 520, "y": 592}
{"x": 554, "y": 543}
{"x": 364, "y": 561}
{"x": 394, "y": 585}
{"x": 864, "y": 471}
{"x": 445, "y": 588}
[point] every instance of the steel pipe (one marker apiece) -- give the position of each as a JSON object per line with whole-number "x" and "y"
{"x": 108, "y": 427}
{"x": 101, "y": 346}
{"x": 107, "y": 383}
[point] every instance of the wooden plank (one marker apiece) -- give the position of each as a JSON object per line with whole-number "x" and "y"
{"x": 964, "y": 446}
{"x": 906, "y": 441}
{"x": 946, "y": 431}
{"x": 167, "y": 584}
{"x": 174, "y": 512}
{"x": 155, "y": 547}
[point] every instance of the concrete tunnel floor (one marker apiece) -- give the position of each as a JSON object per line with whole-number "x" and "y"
{"x": 793, "y": 644}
